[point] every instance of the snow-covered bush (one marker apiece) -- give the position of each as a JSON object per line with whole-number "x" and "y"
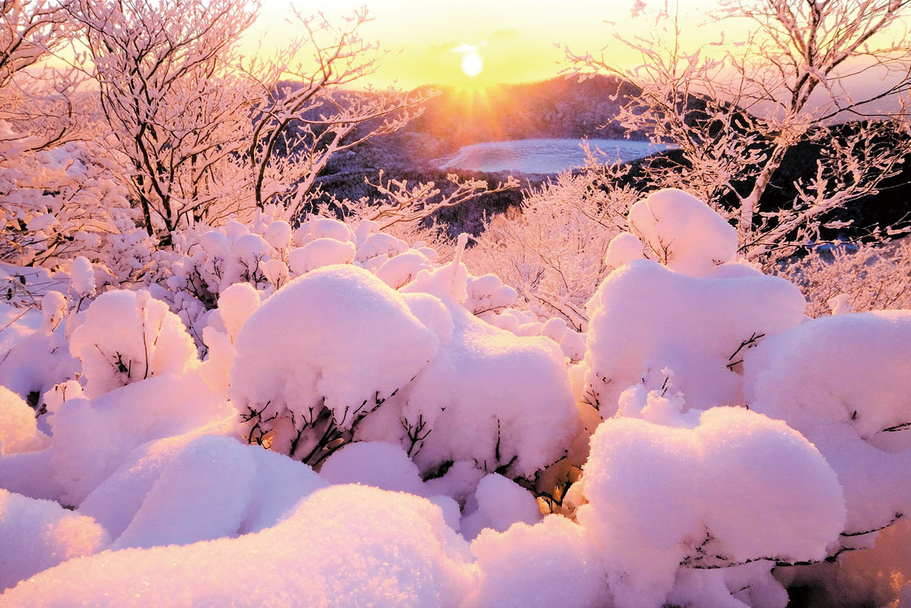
{"x": 684, "y": 326}
{"x": 857, "y": 279}
{"x": 843, "y": 382}
{"x": 128, "y": 336}
{"x": 695, "y": 496}
{"x": 362, "y": 356}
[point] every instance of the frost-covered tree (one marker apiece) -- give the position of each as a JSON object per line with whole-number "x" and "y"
{"x": 29, "y": 29}
{"x": 167, "y": 91}
{"x": 302, "y": 113}
{"x": 736, "y": 115}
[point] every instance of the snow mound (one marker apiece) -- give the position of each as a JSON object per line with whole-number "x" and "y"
{"x": 854, "y": 369}
{"x": 501, "y": 503}
{"x": 92, "y": 438}
{"x": 373, "y": 463}
{"x": 552, "y": 563}
{"x": 38, "y": 534}
{"x": 363, "y": 546}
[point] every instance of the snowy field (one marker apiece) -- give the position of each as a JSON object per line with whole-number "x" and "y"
{"x": 543, "y": 155}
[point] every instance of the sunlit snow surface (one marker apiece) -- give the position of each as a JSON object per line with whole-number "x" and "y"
{"x": 544, "y": 155}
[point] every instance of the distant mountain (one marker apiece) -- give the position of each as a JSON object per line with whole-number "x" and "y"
{"x": 555, "y": 108}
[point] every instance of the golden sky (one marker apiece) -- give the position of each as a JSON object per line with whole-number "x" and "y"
{"x": 509, "y": 41}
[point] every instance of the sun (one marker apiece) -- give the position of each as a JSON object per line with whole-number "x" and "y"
{"x": 472, "y": 64}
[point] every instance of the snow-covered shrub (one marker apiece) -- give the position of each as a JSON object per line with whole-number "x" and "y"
{"x": 40, "y": 359}
{"x": 654, "y": 326}
{"x": 127, "y": 417}
{"x": 843, "y": 382}
{"x": 322, "y": 354}
{"x": 684, "y": 233}
{"x": 729, "y": 488}
{"x": 865, "y": 277}
{"x": 553, "y": 253}
{"x": 59, "y": 203}
{"x": 128, "y": 336}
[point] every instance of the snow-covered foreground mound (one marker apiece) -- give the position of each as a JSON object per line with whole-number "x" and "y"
{"x": 353, "y": 423}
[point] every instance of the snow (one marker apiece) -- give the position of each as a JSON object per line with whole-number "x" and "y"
{"x": 501, "y": 503}
{"x": 622, "y": 249}
{"x": 320, "y": 252}
{"x": 683, "y": 232}
{"x": 39, "y": 534}
{"x": 645, "y": 319}
{"x": 363, "y": 546}
{"x": 542, "y": 155}
{"x": 162, "y": 406}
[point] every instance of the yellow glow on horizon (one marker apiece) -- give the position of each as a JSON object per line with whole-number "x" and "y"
{"x": 519, "y": 38}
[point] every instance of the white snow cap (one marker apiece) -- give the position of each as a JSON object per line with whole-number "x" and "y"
{"x": 623, "y": 249}
{"x": 82, "y": 277}
{"x": 684, "y": 232}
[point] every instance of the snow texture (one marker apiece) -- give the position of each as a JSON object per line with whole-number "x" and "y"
{"x": 363, "y": 546}
{"x": 684, "y": 232}
{"x": 645, "y": 319}
{"x": 737, "y": 487}
{"x": 38, "y": 534}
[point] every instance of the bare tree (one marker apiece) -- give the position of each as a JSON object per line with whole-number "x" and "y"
{"x": 167, "y": 90}
{"x": 36, "y": 101}
{"x": 303, "y": 115}
{"x": 29, "y": 29}
{"x": 735, "y": 115}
